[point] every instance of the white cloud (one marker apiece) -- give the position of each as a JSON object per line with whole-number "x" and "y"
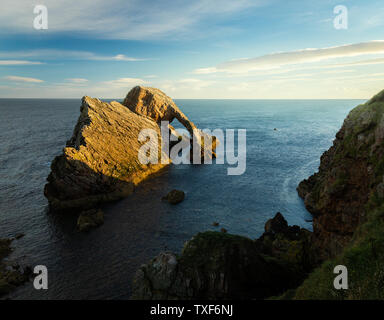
{"x": 77, "y": 80}
{"x": 281, "y": 59}
{"x": 23, "y": 79}
{"x": 357, "y": 63}
{"x": 18, "y": 62}
{"x": 125, "y": 82}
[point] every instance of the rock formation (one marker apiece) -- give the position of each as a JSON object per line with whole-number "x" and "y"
{"x": 350, "y": 176}
{"x": 100, "y": 162}
{"x": 90, "y": 219}
{"x": 174, "y": 196}
{"x": 10, "y": 278}
{"x": 155, "y": 104}
{"x": 217, "y": 265}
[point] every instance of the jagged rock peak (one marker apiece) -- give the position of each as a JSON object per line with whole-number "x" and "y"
{"x": 155, "y": 104}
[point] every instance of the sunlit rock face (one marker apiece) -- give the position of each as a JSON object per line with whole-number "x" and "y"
{"x": 100, "y": 162}
{"x": 155, "y": 104}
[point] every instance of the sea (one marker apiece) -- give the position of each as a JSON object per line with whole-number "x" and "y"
{"x": 284, "y": 142}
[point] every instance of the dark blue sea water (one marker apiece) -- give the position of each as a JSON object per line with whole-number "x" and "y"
{"x": 101, "y": 264}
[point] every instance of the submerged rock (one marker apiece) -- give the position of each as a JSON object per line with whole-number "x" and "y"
{"x": 90, "y": 219}
{"x": 19, "y": 236}
{"x": 174, "y": 196}
{"x": 217, "y": 265}
{"x": 349, "y": 180}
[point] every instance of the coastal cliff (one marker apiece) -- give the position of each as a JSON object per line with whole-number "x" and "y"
{"x": 350, "y": 176}
{"x": 100, "y": 162}
{"x": 346, "y": 198}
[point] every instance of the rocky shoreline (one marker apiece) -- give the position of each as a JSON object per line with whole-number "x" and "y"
{"x": 217, "y": 265}
{"x": 12, "y": 274}
{"x": 346, "y": 199}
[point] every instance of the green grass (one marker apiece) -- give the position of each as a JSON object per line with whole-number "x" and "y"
{"x": 364, "y": 259}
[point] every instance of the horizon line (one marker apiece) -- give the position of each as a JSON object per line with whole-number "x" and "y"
{"x": 117, "y": 99}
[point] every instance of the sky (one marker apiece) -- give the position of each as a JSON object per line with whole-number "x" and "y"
{"x": 195, "y": 49}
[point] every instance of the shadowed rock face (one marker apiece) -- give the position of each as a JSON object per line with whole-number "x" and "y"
{"x": 350, "y": 178}
{"x": 155, "y": 104}
{"x": 100, "y": 162}
{"x": 216, "y": 265}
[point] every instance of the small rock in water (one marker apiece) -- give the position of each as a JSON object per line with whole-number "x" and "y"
{"x": 275, "y": 129}
{"x": 174, "y": 196}
{"x": 16, "y": 266}
{"x": 215, "y": 224}
{"x": 90, "y": 219}
{"x": 223, "y": 230}
{"x": 19, "y": 236}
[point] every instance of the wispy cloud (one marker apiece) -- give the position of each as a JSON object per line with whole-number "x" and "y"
{"x": 18, "y": 62}
{"x": 280, "y": 59}
{"x": 52, "y": 54}
{"x": 119, "y": 19}
{"x": 23, "y": 79}
{"x": 125, "y": 82}
{"x": 357, "y": 63}
{"x": 77, "y": 80}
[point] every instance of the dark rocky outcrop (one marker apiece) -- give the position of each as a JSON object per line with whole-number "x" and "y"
{"x": 216, "y": 265}
{"x": 90, "y": 219}
{"x": 174, "y": 196}
{"x": 351, "y": 175}
{"x": 10, "y": 277}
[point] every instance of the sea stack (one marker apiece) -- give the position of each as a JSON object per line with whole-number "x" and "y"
{"x": 100, "y": 162}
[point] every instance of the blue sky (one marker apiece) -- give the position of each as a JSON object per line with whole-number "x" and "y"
{"x": 260, "y": 49}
